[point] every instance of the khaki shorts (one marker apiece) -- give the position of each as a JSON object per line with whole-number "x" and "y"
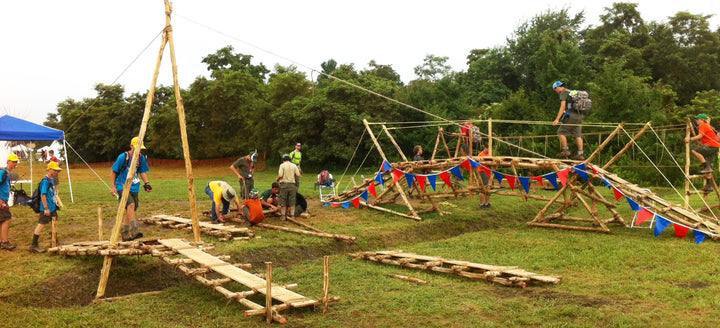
{"x": 47, "y": 219}
{"x": 708, "y": 152}
{"x": 5, "y": 215}
{"x": 569, "y": 128}
{"x": 287, "y": 194}
{"x": 133, "y": 198}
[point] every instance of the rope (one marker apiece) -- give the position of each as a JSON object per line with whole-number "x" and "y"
{"x": 92, "y": 104}
{"x": 352, "y": 157}
{"x": 88, "y": 165}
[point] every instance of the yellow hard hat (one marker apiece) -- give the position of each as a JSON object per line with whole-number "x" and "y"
{"x": 13, "y": 158}
{"x": 134, "y": 143}
{"x": 53, "y": 166}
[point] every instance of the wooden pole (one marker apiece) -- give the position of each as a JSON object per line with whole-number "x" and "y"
{"x": 627, "y": 146}
{"x": 303, "y": 224}
{"x": 309, "y": 233}
{"x": 268, "y": 292}
{"x": 394, "y": 143}
{"x": 326, "y": 282}
{"x": 183, "y": 128}
{"x": 53, "y": 242}
{"x": 490, "y": 138}
{"x": 437, "y": 142}
{"x": 605, "y": 143}
{"x": 119, "y": 218}
{"x": 406, "y": 278}
{"x": 688, "y": 127}
{"x": 100, "y": 223}
{"x": 447, "y": 149}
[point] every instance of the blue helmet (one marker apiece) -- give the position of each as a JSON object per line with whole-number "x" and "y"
{"x": 558, "y": 84}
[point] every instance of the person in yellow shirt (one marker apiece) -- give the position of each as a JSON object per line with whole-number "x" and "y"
{"x": 221, "y": 194}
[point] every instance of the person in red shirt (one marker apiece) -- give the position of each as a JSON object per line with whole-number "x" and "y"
{"x": 708, "y": 149}
{"x": 252, "y": 209}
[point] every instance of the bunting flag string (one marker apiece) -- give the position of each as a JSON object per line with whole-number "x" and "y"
{"x": 661, "y": 223}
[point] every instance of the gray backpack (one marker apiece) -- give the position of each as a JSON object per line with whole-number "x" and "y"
{"x": 580, "y": 101}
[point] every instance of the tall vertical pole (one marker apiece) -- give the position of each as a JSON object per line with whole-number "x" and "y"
{"x": 688, "y": 128}
{"x": 490, "y": 138}
{"x": 183, "y": 128}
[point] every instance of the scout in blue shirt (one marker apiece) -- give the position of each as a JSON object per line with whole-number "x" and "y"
{"x": 119, "y": 175}
{"x": 5, "y": 215}
{"x": 48, "y": 205}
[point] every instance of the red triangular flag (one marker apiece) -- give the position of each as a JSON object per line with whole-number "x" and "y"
{"x": 594, "y": 169}
{"x": 445, "y": 178}
{"x": 483, "y": 168}
{"x": 421, "y": 181}
{"x": 680, "y": 231}
{"x": 466, "y": 165}
{"x": 371, "y": 189}
{"x": 643, "y": 215}
{"x": 618, "y": 194}
{"x": 335, "y": 205}
{"x": 397, "y": 174}
{"x": 563, "y": 175}
{"x": 538, "y": 179}
{"x": 356, "y": 202}
{"x": 511, "y": 181}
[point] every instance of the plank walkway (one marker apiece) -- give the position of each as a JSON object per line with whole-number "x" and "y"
{"x": 505, "y": 275}
{"x": 225, "y": 231}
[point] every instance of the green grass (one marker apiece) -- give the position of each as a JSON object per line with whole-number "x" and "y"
{"x": 627, "y": 278}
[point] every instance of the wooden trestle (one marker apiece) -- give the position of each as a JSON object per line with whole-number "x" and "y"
{"x": 192, "y": 259}
{"x": 226, "y": 232}
{"x": 505, "y": 275}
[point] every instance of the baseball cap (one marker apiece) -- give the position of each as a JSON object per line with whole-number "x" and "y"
{"x": 229, "y": 194}
{"x": 254, "y": 193}
{"x": 53, "y": 166}
{"x": 286, "y": 156}
{"x": 134, "y": 143}
{"x": 702, "y": 116}
{"x": 558, "y": 84}
{"x": 253, "y": 156}
{"x": 13, "y": 157}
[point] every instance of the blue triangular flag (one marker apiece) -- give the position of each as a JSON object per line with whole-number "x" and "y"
{"x": 386, "y": 166}
{"x": 552, "y": 178}
{"x": 456, "y": 172}
{"x": 660, "y": 224}
{"x": 581, "y": 170}
{"x": 474, "y": 163}
{"x": 633, "y": 204}
{"x": 346, "y": 205}
{"x": 364, "y": 195}
{"x": 409, "y": 177}
{"x": 525, "y": 182}
{"x": 326, "y": 204}
{"x": 699, "y": 236}
{"x": 380, "y": 179}
{"x": 499, "y": 176}
{"x": 607, "y": 183}
{"x": 432, "y": 179}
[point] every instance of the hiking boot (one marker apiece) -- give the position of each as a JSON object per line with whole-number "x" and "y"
{"x": 36, "y": 249}
{"x": 126, "y": 236}
{"x": 578, "y": 157}
{"x": 6, "y": 245}
{"x": 135, "y": 234}
{"x": 564, "y": 154}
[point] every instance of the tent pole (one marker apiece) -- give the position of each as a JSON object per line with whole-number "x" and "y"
{"x": 67, "y": 165}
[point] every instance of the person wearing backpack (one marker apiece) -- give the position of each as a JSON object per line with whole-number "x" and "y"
{"x": 571, "y": 122}
{"x": 5, "y": 215}
{"x": 48, "y": 205}
{"x": 119, "y": 174}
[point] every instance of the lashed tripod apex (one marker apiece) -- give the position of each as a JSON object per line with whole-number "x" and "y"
{"x": 504, "y": 275}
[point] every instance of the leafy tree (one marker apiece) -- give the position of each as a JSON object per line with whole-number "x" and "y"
{"x": 433, "y": 68}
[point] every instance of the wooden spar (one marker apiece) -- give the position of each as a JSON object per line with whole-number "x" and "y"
{"x": 688, "y": 128}
{"x": 394, "y": 143}
{"x": 112, "y": 299}
{"x": 100, "y": 223}
{"x": 183, "y": 127}
{"x": 524, "y": 195}
{"x": 562, "y": 226}
{"x": 406, "y": 278}
{"x": 605, "y": 143}
{"x": 437, "y": 142}
{"x": 400, "y": 189}
{"x": 53, "y": 235}
{"x": 309, "y": 233}
{"x": 442, "y": 136}
{"x": 119, "y": 218}
{"x": 268, "y": 292}
{"x": 490, "y": 138}
{"x": 303, "y": 224}
{"x": 326, "y": 282}
{"x": 416, "y": 218}
{"x": 627, "y": 146}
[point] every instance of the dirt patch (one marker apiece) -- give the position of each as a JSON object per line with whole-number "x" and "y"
{"x": 694, "y": 284}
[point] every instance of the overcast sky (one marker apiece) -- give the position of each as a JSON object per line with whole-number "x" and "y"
{"x": 54, "y": 50}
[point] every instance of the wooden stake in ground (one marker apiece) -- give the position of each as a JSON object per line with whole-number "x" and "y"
{"x": 326, "y": 282}
{"x": 268, "y": 292}
{"x": 53, "y": 242}
{"x": 100, "y": 223}
{"x": 411, "y": 279}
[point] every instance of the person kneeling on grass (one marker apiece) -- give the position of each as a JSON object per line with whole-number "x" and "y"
{"x": 252, "y": 209}
{"x": 221, "y": 194}
{"x": 48, "y": 205}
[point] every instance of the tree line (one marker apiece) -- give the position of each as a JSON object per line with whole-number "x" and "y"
{"x": 635, "y": 71}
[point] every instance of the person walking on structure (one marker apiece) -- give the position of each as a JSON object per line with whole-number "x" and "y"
{"x": 286, "y": 179}
{"x": 221, "y": 194}
{"x": 244, "y": 168}
{"x": 119, "y": 174}
{"x": 5, "y": 215}
{"x": 296, "y": 158}
{"x": 571, "y": 122}
{"x": 48, "y": 205}
{"x": 708, "y": 149}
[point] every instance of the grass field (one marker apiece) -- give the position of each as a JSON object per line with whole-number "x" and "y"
{"x": 627, "y": 278}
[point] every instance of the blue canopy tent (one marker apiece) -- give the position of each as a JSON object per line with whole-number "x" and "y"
{"x": 15, "y": 129}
